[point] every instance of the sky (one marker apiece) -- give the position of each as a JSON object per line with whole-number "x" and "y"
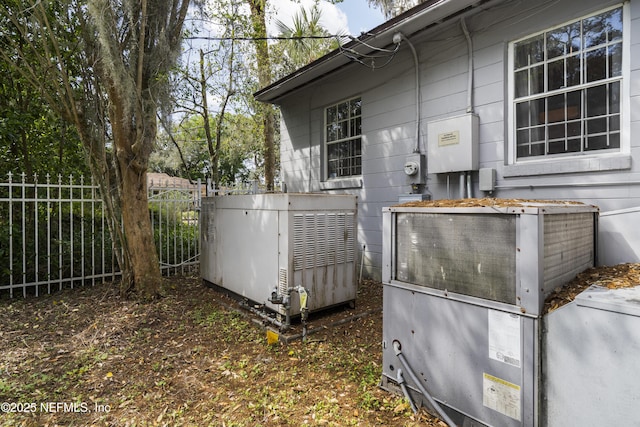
{"x": 349, "y": 16}
{"x": 361, "y": 17}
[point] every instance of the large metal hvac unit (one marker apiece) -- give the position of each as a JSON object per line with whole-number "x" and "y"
{"x": 264, "y": 247}
{"x": 464, "y": 290}
{"x": 591, "y": 347}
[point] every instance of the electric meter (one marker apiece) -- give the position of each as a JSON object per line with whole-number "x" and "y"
{"x": 411, "y": 168}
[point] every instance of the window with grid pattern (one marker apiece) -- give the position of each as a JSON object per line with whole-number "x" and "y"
{"x": 343, "y": 141}
{"x": 566, "y": 88}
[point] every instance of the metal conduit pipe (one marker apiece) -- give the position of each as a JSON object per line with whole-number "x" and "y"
{"x": 364, "y": 248}
{"x": 470, "y": 108}
{"x": 405, "y": 391}
{"x": 263, "y": 315}
{"x": 398, "y": 352}
{"x": 397, "y": 38}
{"x": 467, "y": 36}
{"x": 566, "y": 185}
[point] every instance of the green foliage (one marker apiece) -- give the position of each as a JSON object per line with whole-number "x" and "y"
{"x": 175, "y": 229}
{"x": 33, "y": 139}
{"x": 66, "y": 240}
{"x": 227, "y": 74}
{"x": 59, "y": 238}
{"x": 393, "y": 8}
{"x": 240, "y": 152}
{"x": 300, "y": 50}
{"x": 101, "y": 65}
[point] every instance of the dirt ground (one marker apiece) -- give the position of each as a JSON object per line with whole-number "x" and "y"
{"x": 87, "y": 357}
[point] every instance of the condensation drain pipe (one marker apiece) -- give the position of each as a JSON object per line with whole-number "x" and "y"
{"x": 398, "y": 352}
{"x": 364, "y": 247}
{"x": 405, "y": 391}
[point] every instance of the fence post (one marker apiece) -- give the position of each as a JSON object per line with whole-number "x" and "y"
{"x": 10, "y": 234}
{"x": 24, "y": 237}
{"x": 48, "y": 233}
{"x": 35, "y": 220}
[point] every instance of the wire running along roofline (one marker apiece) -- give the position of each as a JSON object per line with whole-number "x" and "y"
{"x": 418, "y": 19}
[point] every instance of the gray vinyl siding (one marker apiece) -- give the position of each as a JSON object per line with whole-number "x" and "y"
{"x": 388, "y": 120}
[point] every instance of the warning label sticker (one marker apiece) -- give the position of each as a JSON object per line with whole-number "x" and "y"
{"x": 504, "y": 337}
{"x": 449, "y": 138}
{"x": 501, "y": 396}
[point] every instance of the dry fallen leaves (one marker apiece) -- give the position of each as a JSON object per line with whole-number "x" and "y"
{"x": 610, "y": 277}
{"x": 484, "y": 202}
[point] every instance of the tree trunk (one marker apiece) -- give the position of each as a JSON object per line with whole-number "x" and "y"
{"x": 206, "y": 123}
{"x": 258, "y": 10}
{"x": 133, "y": 148}
{"x": 127, "y": 49}
{"x": 139, "y": 234}
{"x": 269, "y": 147}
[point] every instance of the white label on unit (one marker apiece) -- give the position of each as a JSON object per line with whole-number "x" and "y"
{"x": 501, "y": 396}
{"x": 449, "y": 138}
{"x": 504, "y": 337}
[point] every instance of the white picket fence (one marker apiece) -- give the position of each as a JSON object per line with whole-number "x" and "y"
{"x": 54, "y": 234}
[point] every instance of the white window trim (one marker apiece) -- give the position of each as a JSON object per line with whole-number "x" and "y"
{"x": 344, "y": 182}
{"x": 575, "y": 163}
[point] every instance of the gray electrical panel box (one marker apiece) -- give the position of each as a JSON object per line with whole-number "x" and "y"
{"x": 464, "y": 290}
{"x": 487, "y": 179}
{"x": 452, "y": 144}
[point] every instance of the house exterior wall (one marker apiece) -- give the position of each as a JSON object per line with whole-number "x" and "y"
{"x": 611, "y": 182}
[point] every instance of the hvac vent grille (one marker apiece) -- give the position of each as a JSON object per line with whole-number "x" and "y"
{"x": 467, "y": 254}
{"x": 283, "y": 281}
{"x": 568, "y": 247}
{"x": 323, "y": 239}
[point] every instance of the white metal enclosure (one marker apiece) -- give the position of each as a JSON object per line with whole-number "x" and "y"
{"x": 590, "y": 359}
{"x": 464, "y": 290}
{"x": 263, "y": 245}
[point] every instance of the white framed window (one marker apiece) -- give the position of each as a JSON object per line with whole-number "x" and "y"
{"x": 567, "y": 89}
{"x": 343, "y": 139}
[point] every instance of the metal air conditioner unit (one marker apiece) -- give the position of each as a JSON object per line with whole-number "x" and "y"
{"x": 464, "y": 289}
{"x": 262, "y": 247}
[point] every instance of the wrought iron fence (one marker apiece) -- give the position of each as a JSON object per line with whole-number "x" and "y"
{"x": 54, "y": 234}
{"x": 174, "y": 204}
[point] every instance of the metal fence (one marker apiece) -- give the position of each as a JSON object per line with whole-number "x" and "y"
{"x": 54, "y": 234}
{"x": 174, "y": 204}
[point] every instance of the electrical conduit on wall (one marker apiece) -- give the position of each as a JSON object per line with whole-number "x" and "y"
{"x": 470, "y": 109}
{"x": 397, "y": 38}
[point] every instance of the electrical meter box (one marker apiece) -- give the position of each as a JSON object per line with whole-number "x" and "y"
{"x": 414, "y": 169}
{"x": 255, "y": 245}
{"x": 452, "y": 144}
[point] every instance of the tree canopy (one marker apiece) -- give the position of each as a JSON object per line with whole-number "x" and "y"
{"x": 88, "y": 79}
{"x": 303, "y": 41}
{"x": 393, "y": 8}
{"x": 103, "y": 66}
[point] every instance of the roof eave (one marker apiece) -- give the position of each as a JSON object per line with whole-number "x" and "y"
{"x": 427, "y": 14}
